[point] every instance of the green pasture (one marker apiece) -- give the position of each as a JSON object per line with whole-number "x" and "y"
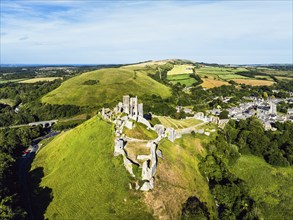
{"x": 182, "y": 79}
{"x": 75, "y": 176}
{"x": 223, "y": 73}
{"x": 181, "y": 69}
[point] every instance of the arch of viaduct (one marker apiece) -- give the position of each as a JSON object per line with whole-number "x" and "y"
{"x": 43, "y": 123}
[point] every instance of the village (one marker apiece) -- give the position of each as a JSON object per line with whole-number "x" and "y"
{"x": 265, "y": 110}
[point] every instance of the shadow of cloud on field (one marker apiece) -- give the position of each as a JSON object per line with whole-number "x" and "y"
{"x": 41, "y": 197}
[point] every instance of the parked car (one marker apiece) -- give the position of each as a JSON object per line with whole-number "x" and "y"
{"x": 24, "y": 153}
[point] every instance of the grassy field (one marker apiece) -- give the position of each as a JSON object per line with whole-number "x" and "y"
{"x": 231, "y": 76}
{"x": 180, "y": 69}
{"x": 274, "y": 72}
{"x": 140, "y": 132}
{"x": 220, "y": 72}
{"x": 177, "y": 124}
{"x": 284, "y": 78}
{"x": 10, "y": 102}
{"x": 254, "y": 82}
{"x": 41, "y": 79}
{"x": 178, "y": 178}
{"x": 76, "y": 177}
{"x": 211, "y": 83}
{"x": 178, "y": 77}
{"x": 113, "y": 84}
{"x": 218, "y": 76}
{"x": 264, "y": 77}
{"x": 10, "y": 80}
{"x": 182, "y": 79}
{"x": 271, "y": 187}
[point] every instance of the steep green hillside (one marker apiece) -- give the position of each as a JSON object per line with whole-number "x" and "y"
{"x": 178, "y": 178}
{"x": 271, "y": 187}
{"x": 105, "y": 86}
{"x": 82, "y": 178}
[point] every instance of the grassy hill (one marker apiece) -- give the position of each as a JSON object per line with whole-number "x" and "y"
{"x": 76, "y": 177}
{"x": 271, "y": 187}
{"x": 109, "y": 86}
{"x": 178, "y": 177}
{"x": 181, "y": 69}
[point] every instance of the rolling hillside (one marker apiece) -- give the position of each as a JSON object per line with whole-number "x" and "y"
{"x": 106, "y": 86}
{"x": 76, "y": 177}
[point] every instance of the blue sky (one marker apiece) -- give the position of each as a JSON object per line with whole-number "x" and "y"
{"x": 95, "y": 32}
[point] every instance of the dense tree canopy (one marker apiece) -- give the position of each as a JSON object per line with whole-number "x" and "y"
{"x": 276, "y": 147}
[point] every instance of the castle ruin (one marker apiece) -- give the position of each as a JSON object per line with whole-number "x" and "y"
{"x": 130, "y": 106}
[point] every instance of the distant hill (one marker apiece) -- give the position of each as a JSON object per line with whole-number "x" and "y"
{"x": 83, "y": 178}
{"x": 105, "y": 86}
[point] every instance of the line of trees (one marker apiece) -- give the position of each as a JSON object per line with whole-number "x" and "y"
{"x": 12, "y": 143}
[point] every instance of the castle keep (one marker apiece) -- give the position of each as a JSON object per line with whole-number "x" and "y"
{"x": 130, "y": 106}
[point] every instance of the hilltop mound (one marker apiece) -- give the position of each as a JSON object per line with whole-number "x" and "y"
{"x": 105, "y": 86}
{"x": 85, "y": 179}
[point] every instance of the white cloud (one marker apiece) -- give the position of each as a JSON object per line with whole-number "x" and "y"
{"x": 78, "y": 32}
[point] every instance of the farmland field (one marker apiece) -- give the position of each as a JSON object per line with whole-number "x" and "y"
{"x": 271, "y": 187}
{"x": 41, "y": 79}
{"x": 181, "y": 69}
{"x": 211, "y": 83}
{"x": 220, "y": 72}
{"x": 231, "y": 76}
{"x": 284, "y": 78}
{"x": 182, "y": 79}
{"x": 254, "y": 82}
{"x": 264, "y": 77}
{"x": 178, "y": 77}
